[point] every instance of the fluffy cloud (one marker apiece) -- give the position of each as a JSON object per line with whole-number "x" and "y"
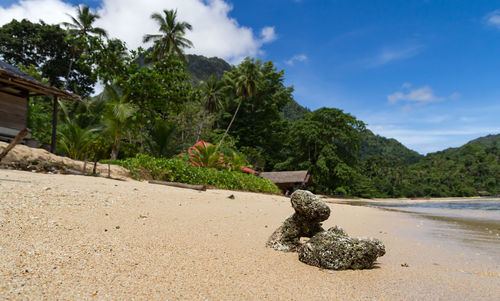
{"x": 493, "y": 19}
{"x": 417, "y": 97}
{"x": 296, "y": 58}
{"x": 421, "y": 95}
{"x": 214, "y": 33}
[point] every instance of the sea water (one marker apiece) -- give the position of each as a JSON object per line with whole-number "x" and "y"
{"x": 471, "y": 222}
{"x": 485, "y": 208}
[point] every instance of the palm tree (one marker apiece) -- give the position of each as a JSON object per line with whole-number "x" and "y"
{"x": 247, "y": 78}
{"x": 81, "y": 27}
{"x": 171, "y": 38}
{"x": 74, "y": 140}
{"x": 117, "y": 117}
{"x": 160, "y": 142}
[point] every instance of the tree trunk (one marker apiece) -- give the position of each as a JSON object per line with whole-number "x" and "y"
{"x": 54, "y": 126}
{"x": 85, "y": 162}
{"x": 115, "y": 149}
{"x": 94, "y": 171}
{"x": 229, "y": 126}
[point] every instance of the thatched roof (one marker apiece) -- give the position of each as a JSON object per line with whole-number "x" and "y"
{"x": 281, "y": 177}
{"x": 15, "y": 82}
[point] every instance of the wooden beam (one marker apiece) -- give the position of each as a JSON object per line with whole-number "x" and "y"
{"x": 20, "y": 136}
{"x": 28, "y": 87}
{"x": 54, "y": 126}
{"x": 13, "y": 94}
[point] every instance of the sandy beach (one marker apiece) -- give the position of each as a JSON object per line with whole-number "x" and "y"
{"x": 77, "y": 237}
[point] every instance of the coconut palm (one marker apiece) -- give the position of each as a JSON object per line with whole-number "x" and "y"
{"x": 82, "y": 25}
{"x": 79, "y": 28}
{"x": 247, "y": 78}
{"x": 171, "y": 38}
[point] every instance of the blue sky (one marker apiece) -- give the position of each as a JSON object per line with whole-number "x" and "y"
{"x": 423, "y": 72}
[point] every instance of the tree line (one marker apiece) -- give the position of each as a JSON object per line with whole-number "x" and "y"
{"x": 152, "y": 105}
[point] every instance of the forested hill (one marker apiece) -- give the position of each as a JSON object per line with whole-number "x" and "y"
{"x": 293, "y": 111}
{"x": 200, "y": 67}
{"x": 487, "y": 141}
{"x": 372, "y": 145}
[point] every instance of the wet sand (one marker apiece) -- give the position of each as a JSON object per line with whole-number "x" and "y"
{"x": 75, "y": 237}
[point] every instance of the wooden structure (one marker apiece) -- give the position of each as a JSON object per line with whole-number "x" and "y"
{"x": 288, "y": 181}
{"x": 16, "y": 87}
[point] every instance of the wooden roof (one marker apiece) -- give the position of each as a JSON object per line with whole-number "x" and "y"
{"x": 15, "y": 82}
{"x": 281, "y": 177}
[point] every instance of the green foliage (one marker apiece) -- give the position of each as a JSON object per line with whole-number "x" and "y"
{"x": 162, "y": 135}
{"x": 460, "y": 171}
{"x": 207, "y": 156}
{"x": 27, "y": 44}
{"x": 200, "y": 68}
{"x": 174, "y": 170}
{"x": 376, "y": 145}
{"x": 171, "y": 40}
{"x": 325, "y": 142}
{"x": 292, "y": 111}
{"x": 73, "y": 140}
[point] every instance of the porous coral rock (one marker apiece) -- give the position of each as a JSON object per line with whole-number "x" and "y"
{"x": 310, "y": 211}
{"x": 335, "y": 250}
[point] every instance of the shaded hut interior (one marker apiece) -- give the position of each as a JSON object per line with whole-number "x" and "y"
{"x": 16, "y": 88}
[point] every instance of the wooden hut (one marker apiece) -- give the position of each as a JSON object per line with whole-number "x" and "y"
{"x": 16, "y": 87}
{"x": 288, "y": 181}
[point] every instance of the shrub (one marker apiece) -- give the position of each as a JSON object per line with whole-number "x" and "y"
{"x": 144, "y": 167}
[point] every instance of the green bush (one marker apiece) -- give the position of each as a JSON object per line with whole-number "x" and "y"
{"x": 174, "y": 170}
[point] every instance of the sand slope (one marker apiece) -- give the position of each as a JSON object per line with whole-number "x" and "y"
{"x": 75, "y": 237}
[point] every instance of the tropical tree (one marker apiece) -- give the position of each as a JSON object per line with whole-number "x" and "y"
{"x": 82, "y": 25}
{"x": 211, "y": 94}
{"x": 73, "y": 140}
{"x": 162, "y": 135}
{"x": 117, "y": 117}
{"x": 79, "y": 29}
{"x": 171, "y": 38}
{"x": 248, "y": 75}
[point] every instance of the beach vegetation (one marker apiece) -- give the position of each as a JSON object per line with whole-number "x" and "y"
{"x": 159, "y": 102}
{"x": 145, "y": 167}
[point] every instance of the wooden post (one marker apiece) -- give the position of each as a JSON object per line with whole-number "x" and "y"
{"x": 54, "y": 126}
{"x": 20, "y": 136}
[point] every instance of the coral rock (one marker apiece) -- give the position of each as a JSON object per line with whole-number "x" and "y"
{"x": 310, "y": 211}
{"x": 335, "y": 250}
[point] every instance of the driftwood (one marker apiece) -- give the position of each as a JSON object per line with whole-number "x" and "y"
{"x": 13, "y": 143}
{"x": 69, "y": 171}
{"x": 180, "y": 185}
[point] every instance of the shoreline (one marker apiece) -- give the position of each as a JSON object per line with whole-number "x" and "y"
{"x": 79, "y": 237}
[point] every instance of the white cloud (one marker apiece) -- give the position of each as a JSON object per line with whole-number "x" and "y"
{"x": 421, "y": 95}
{"x": 493, "y": 18}
{"x": 296, "y": 58}
{"x": 268, "y": 34}
{"x": 391, "y": 54}
{"x": 214, "y": 33}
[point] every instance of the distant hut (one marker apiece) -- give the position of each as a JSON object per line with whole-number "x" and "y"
{"x": 16, "y": 87}
{"x": 288, "y": 181}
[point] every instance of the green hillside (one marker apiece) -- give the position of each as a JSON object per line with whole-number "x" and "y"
{"x": 372, "y": 145}
{"x": 200, "y": 67}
